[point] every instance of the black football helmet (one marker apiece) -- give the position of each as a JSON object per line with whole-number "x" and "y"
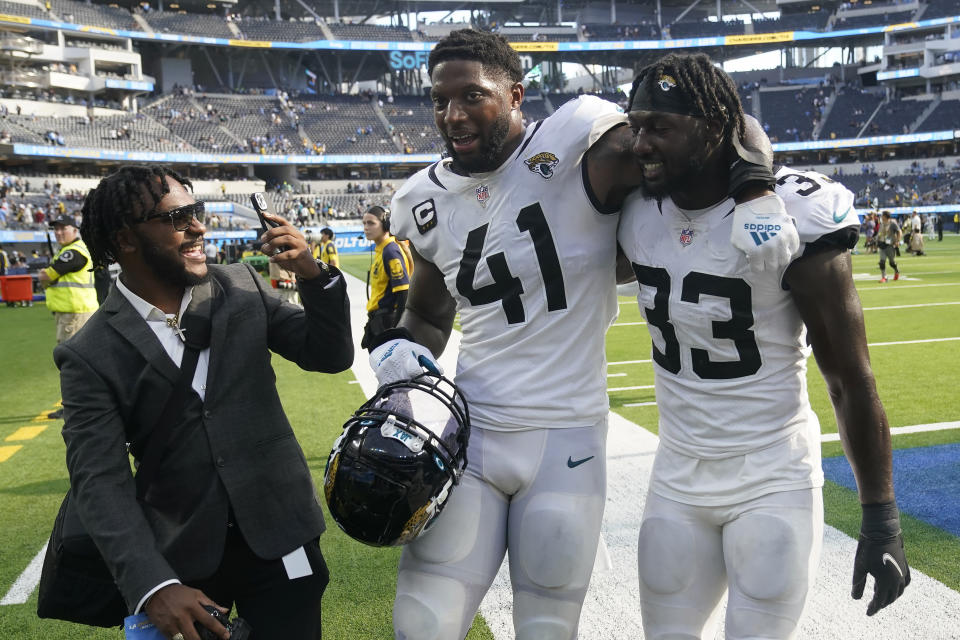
{"x": 397, "y": 461}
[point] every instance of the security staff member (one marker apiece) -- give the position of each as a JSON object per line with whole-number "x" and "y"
{"x": 71, "y": 294}
{"x": 327, "y": 249}
{"x": 389, "y": 275}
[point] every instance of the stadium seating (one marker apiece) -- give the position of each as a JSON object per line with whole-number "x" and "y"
{"x": 895, "y": 117}
{"x": 940, "y": 9}
{"x": 808, "y": 21}
{"x": 140, "y": 133}
{"x": 851, "y": 110}
{"x": 705, "y": 28}
{"x": 283, "y": 30}
{"x": 944, "y": 117}
{"x": 187, "y": 120}
{"x": 789, "y": 115}
{"x": 874, "y": 20}
{"x": 368, "y": 32}
{"x": 333, "y": 121}
{"x": 907, "y": 189}
{"x": 94, "y": 15}
{"x": 21, "y": 9}
{"x": 412, "y": 118}
{"x": 211, "y": 26}
{"x": 641, "y": 31}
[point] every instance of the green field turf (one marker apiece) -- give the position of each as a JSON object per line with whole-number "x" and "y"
{"x": 917, "y": 383}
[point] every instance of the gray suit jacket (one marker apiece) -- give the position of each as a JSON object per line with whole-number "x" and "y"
{"x": 115, "y": 379}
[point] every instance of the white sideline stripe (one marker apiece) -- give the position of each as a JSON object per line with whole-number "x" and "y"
{"x": 643, "y": 386}
{"x": 887, "y": 344}
{"x": 910, "y": 306}
{"x": 616, "y": 375}
{"x": 927, "y": 609}
{"x": 640, "y": 404}
{"x": 919, "y": 274}
{"x": 613, "y": 364}
{"x": 891, "y": 286}
{"x": 627, "y": 324}
{"x": 896, "y": 431}
{"x": 26, "y": 582}
{"x": 611, "y": 611}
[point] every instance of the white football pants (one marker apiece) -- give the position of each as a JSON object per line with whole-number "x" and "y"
{"x": 764, "y": 551}
{"x": 538, "y": 494}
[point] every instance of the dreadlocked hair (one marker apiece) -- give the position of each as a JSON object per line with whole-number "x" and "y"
{"x": 489, "y": 49}
{"x": 711, "y": 89}
{"x": 121, "y": 198}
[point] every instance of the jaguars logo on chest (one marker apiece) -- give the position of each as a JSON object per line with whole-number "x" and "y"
{"x": 543, "y": 163}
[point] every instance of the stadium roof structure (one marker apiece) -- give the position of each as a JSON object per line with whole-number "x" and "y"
{"x": 368, "y": 59}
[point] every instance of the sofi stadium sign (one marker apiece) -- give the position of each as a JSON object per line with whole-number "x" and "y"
{"x": 402, "y": 60}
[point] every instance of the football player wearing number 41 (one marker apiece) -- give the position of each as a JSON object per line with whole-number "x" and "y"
{"x": 735, "y": 499}
{"x": 516, "y": 231}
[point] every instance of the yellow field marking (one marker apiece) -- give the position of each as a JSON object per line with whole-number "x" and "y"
{"x": 7, "y": 452}
{"x": 25, "y": 433}
{"x": 41, "y": 418}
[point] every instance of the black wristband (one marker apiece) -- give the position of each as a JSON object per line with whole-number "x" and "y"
{"x": 881, "y": 521}
{"x": 396, "y": 333}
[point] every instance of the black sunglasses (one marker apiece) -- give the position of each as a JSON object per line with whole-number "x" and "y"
{"x": 182, "y": 217}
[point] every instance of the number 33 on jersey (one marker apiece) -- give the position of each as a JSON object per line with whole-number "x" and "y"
{"x": 728, "y": 342}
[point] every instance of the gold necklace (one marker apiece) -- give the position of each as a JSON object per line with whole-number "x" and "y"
{"x": 174, "y": 323}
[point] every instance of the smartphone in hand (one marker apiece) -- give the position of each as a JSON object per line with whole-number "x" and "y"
{"x": 262, "y": 205}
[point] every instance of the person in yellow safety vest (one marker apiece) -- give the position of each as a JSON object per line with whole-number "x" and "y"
{"x": 71, "y": 294}
{"x": 327, "y": 249}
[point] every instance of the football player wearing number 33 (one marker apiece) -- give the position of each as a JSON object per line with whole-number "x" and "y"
{"x": 735, "y": 498}
{"x": 516, "y": 231}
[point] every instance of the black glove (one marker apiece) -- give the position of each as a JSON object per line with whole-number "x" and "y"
{"x": 751, "y": 159}
{"x": 880, "y": 553}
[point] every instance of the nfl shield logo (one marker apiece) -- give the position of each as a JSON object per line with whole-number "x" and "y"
{"x": 483, "y": 194}
{"x": 686, "y": 236}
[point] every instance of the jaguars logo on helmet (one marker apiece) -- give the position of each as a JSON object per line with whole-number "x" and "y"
{"x": 400, "y": 455}
{"x": 543, "y": 163}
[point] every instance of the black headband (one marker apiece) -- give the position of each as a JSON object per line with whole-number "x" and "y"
{"x": 662, "y": 93}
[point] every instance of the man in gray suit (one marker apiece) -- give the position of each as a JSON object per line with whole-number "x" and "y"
{"x": 231, "y": 515}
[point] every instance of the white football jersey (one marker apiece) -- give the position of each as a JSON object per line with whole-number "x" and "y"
{"x": 729, "y": 347}
{"x": 530, "y": 260}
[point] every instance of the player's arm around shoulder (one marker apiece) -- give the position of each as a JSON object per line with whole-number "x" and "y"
{"x": 822, "y": 288}
{"x": 762, "y": 229}
{"x": 612, "y": 169}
